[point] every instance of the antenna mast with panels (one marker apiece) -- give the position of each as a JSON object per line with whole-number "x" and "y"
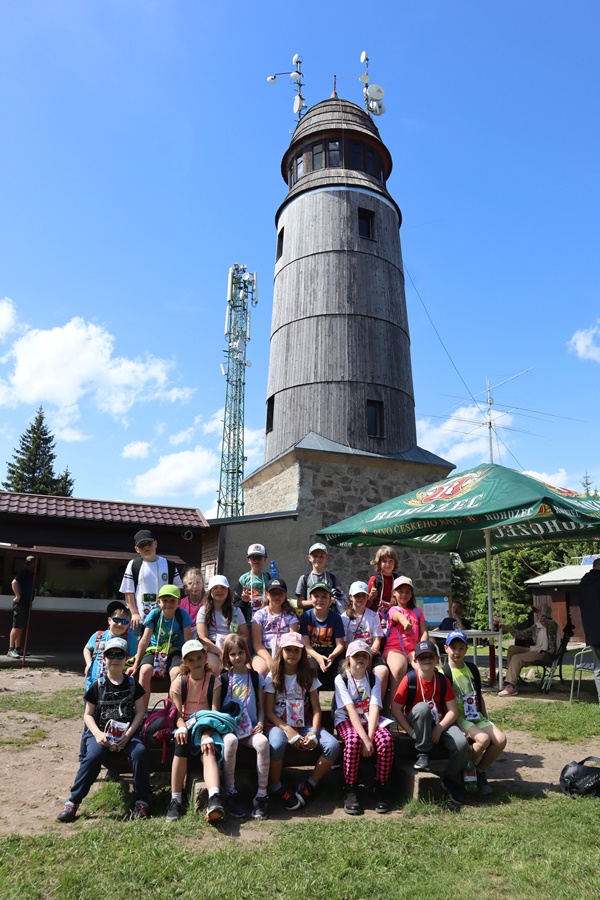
{"x": 242, "y": 294}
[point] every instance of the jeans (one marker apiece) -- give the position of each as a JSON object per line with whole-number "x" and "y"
{"x": 452, "y": 739}
{"x": 95, "y": 754}
{"x": 278, "y": 742}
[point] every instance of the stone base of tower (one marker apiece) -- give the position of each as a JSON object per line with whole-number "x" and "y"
{"x": 324, "y": 482}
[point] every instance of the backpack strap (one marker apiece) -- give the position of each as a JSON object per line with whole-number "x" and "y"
{"x": 476, "y": 680}
{"x": 97, "y": 643}
{"x": 184, "y": 689}
{"x": 209, "y": 693}
{"x": 136, "y": 565}
{"x": 171, "y": 569}
{"x": 179, "y": 618}
{"x": 411, "y": 676}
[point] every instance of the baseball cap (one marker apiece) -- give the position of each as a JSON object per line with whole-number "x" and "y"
{"x": 170, "y": 590}
{"x": 320, "y": 586}
{"x": 425, "y": 647}
{"x": 191, "y": 647}
{"x": 114, "y": 605}
{"x": 256, "y": 550}
{"x": 30, "y": 559}
{"x": 318, "y": 547}
{"x": 402, "y": 579}
{"x": 216, "y": 581}
{"x": 355, "y": 647}
{"x": 291, "y": 639}
{"x": 278, "y": 584}
{"x": 143, "y": 535}
{"x": 115, "y": 644}
{"x": 358, "y": 587}
{"x": 456, "y": 636}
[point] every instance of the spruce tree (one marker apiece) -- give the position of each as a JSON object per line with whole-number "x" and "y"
{"x": 32, "y": 468}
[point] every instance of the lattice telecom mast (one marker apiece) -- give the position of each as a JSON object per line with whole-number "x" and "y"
{"x": 241, "y": 295}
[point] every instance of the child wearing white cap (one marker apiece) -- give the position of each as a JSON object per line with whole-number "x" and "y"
{"x": 364, "y": 624}
{"x": 217, "y": 618}
{"x": 249, "y": 592}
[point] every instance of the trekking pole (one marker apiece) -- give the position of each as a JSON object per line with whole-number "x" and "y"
{"x": 35, "y": 569}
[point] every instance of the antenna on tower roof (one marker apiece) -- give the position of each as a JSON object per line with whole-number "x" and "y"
{"x": 296, "y": 77}
{"x": 373, "y": 93}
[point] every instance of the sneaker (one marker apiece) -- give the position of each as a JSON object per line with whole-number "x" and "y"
{"x": 68, "y": 813}
{"x": 421, "y": 763}
{"x": 381, "y": 792}
{"x": 455, "y": 791}
{"x": 482, "y": 783}
{"x": 173, "y": 811}
{"x": 289, "y": 800}
{"x": 19, "y": 652}
{"x": 509, "y": 691}
{"x": 305, "y": 792}
{"x": 111, "y": 776}
{"x": 260, "y": 808}
{"x": 13, "y": 653}
{"x": 352, "y": 804}
{"x": 235, "y": 807}
{"x": 140, "y": 810}
{"x": 214, "y": 810}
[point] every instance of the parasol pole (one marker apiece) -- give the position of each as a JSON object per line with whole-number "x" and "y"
{"x": 488, "y": 564}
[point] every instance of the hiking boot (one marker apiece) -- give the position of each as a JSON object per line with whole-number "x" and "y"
{"x": 13, "y": 653}
{"x": 352, "y": 804}
{"x": 235, "y": 807}
{"x": 305, "y": 792}
{"x": 381, "y": 791}
{"x": 483, "y": 784}
{"x": 289, "y": 800}
{"x": 421, "y": 763}
{"x": 260, "y": 808}
{"x": 455, "y": 791}
{"x": 173, "y": 811}
{"x": 214, "y": 810}
{"x": 68, "y": 813}
{"x": 140, "y": 810}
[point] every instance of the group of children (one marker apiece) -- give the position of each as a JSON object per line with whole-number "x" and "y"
{"x": 245, "y": 667}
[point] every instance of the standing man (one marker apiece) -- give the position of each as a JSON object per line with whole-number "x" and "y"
{"x": 144, "y": 577}
{"x": 589, "y": 604}
{"x": 22, "y": 586}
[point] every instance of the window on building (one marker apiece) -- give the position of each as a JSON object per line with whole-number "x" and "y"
{"x": 317, "y": 156}
{"x": 291, "y": 175}
{"x": 370, "y": 161}
{"x": 355, "y": 155}
{"x": 365, "y": 223}
{"x": 334, "y": 153}
{"x": 375, "y": 418}
{"x": 280, "y": 243}
{"x": 299, "y": 166}
{"x": 270, "y": 408}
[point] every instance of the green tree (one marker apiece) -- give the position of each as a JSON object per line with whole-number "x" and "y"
{"x": 32, "y": 468}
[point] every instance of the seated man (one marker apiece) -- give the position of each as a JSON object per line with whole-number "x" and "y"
{"x": 542, "y": 638}
{"x": 455, "y": 621}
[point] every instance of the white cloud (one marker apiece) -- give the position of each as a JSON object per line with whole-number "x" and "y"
{"x": 187, "y": 473}
{"x": 62, "y": 421}
{"x": 462, "y": 436}
{"x": 555, "y": 479}
{"x": 215, "y": 423}
{"x": 254, "y": 448}
{"x": 584, "y": 345}
{"x": 182, "y": 437}
{"x": 8, "y": 317}
{"x": 136, "y": 450}
{"x": 62, "y": 365}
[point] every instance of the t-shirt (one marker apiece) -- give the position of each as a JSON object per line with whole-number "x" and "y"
{"x": 96, "y": 645}
{"x": 152, "y": 576}
{"x": 306, "y": 582}
{"x": 463, "y": 685}
{"x": 223, "y": 627}
{"x": 359, "y": 693}
{"x": 25, "y": 578}
{"x": 257, "y": 584}
{"x": 323, "y": 633}
{"x": 398, "y": 638}
{"x": 292, "y": 705}
{"x": 167, "y": 634}
{"x": 117, "y": 702}
{"x": 366, "y": 627}
{"x": 192, "y": 609}
{"x": 272, "y": 627}
{"x": 240, "y": 688}
{"x": 425, "y": 692}
{"x": 450, "y": 624}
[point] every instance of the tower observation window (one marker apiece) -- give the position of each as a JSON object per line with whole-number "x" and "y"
{"x": 270, "y": 409}
{"x": 299, "y": 166}
{"x": 375, "y": 418}
{"x": 317, "y": 156}
{"x": 334, "y": 153}
{"x": 279, "y": 243}
{"x": 365, "y": 223}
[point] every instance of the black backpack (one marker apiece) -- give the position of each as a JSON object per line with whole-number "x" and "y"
{"x": 345, "y": 677}
{"x": 579, "y": 780}
{"x": 476, "y": 681}
{"x": 137, "y": 565}
{"x": 412, "y": 689}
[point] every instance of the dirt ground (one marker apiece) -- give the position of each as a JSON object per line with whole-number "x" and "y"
{"x": 35, "y": 782}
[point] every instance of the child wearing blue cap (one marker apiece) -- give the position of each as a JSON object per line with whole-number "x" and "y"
{"x": 487, "y": 740}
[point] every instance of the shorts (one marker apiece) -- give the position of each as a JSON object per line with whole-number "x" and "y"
{"x": 465, "y": 724}
{"x": 20, "y": 614}
{"x": 173, "y": 660}
{"x": 378, "y": 660}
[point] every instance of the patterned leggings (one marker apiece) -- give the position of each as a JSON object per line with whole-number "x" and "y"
{"x": 384, "y": 748}
{"x": 261, "y": 744}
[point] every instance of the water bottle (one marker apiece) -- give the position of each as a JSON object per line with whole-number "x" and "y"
{"x": 273, "y": 570}
{"x": 470, "y": 776}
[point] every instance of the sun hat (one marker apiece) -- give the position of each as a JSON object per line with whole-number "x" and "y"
{"x": 218, "y": 581}
{"x": 318, "y": 547}
{"x": 256, "y": 550}
{"x": 402, "y": 579}
{"x": 115, "y": 644}
{"x": 358, "y": 587}
{"x": 358, "y": 646}
{"x": 291, "y": 639}
{"x": 170, "y": 590}
{"x": 193, "y": 646}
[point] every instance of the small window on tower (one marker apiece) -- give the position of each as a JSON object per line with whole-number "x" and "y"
{"x": 375, "y": 418}
{"x": 334, "y": 153}
{"x": 365, "y": 223}
{"x": 317, "y": 153}
{"x": 355, "y": 155}
{"x": 370, "y": 159}
{"x": 270, "y": 408}
{"x": 280, "y": 243}
{"x": 299, "y": 166}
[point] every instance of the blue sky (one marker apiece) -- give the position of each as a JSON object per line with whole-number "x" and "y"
{"x": 140, "y": 159}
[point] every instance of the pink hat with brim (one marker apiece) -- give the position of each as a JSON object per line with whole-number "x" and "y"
{"x": 291, "y": 639}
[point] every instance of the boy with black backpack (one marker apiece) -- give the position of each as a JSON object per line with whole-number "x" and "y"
{"x": 113, "y": 714}
{"x": 425, "y": 707}
{"x": 488, "y": 741}
{"x": 144, "y": 577}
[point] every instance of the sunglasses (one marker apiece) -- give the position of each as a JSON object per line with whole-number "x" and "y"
{"x": 119, "y": 621}
{"x": 115, "y": 654}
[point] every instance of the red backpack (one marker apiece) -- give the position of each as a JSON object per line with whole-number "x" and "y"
{"x": 160, "y": 722}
